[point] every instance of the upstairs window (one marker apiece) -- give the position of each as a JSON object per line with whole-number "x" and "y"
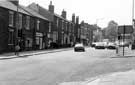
{"x": 11, "y": 18}
{"x": 57, "y": 23}
{"x": 27, "y": 22}
{"x": 38, "y": 23}
{"x": 62, "y": 24}
{"x": 20, "y": 21}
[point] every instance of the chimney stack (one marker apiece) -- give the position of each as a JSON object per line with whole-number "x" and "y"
{"x": 73, "y": 18}
{"x": 64, "y": 14}
{"x": 77, "y": 20}
{"x": 51, "y": 7}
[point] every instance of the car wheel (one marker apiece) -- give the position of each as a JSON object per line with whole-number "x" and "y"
{"x": 75, "y": 50}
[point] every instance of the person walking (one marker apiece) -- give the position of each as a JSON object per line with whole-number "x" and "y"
{"x": 17, "y": 48}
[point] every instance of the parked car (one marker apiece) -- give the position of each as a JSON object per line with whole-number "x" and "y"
{"x": 79, "y": 47}
{"x": 93, "y": 44}
{"x": 133, "y": 46}
{"x": 124, "y": 44}
{"x": 111, "y": 46}
{"x": 105, "y": 44}
{"x": 99, "y": 45}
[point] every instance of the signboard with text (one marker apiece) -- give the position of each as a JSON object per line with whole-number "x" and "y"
{"x": 127, "y": 29}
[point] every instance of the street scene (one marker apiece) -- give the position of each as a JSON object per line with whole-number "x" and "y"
{"x": 67, "y": 42}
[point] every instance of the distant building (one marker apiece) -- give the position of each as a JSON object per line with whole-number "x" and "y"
{"x": 86, "y": 34}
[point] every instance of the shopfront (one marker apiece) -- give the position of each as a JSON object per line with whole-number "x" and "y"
{"x": 39, "y": 41}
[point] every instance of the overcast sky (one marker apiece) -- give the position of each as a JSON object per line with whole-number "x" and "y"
{"x": 92, "y": 11}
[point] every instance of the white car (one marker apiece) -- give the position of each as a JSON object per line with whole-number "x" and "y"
{"x": 100, "y": 45}
{"x": 111, "y": 45}
{"x": 79, "y": 47}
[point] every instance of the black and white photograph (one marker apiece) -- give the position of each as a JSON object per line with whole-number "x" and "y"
{"x": 67, "y": 42}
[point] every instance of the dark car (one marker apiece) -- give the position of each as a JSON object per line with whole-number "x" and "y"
{"x": 79, "y": 47}
{"x": 133, "y": 46}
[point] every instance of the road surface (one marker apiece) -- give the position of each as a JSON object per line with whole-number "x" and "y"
{"x": 62, "y": 67}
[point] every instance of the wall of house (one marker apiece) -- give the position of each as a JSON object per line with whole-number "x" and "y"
{"x": 3, "y": 30}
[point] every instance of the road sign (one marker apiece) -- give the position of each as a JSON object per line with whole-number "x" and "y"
{"x": 127, "y": 29}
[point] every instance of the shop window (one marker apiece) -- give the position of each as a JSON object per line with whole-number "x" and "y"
{"x": 11, "y": 18}
{"x": 37, "y": 40}
{"x": 28, "y": 42}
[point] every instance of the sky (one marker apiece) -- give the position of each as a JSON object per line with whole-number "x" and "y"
{"x": 98, "y": 12}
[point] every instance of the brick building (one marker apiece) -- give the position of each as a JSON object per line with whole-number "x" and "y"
{"x": 60, "y": 31}
{"x": 21, "y": 26}
{"x": 37, "y": 28}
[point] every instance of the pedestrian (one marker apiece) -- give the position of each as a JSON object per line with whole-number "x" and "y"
{"x": 117, "y": 49}
{"x": 17, "y": 48}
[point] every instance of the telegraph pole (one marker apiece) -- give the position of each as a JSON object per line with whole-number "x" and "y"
{"x": 123, "y": 39}
{"x": 133, "y": 13}
{"x": 133, "y": 18}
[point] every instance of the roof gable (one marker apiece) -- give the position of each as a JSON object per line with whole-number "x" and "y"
{"x": 33, "y": 13}
{"x": 42, "y": 11}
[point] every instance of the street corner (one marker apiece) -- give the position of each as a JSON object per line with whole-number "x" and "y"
{"x": 117, "y": 78}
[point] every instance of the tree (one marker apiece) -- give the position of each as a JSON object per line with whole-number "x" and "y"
{"x": 111, "y": 30}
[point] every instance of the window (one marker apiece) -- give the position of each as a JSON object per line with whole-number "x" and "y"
{"x": 20, "y": 21}
{"x": 49, "y": 27}
{"x": 66, "y": 26}
{"x": 27, "y": 22}
{"x": 11, "y": 18}
{"x": 38, "y": 23}
{"x": 57, "y": 22}
{"x": 10, "y": 37}
{"x": 62, "y": 24}
{"x": 28, "y": 42}
{"x": 37, "y": 40}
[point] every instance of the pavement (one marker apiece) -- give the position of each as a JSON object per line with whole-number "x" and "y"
{"x": 30, "y": 53}
{"x": 118, "y": 78}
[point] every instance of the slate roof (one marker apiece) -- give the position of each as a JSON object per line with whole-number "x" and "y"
{"x": 33, "y": 13}
{"x": 44, "y": 12}
{"x": 11, "y": 6}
